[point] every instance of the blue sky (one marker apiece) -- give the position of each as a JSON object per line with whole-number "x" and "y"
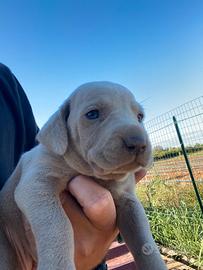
{"x": 154, "y": 47}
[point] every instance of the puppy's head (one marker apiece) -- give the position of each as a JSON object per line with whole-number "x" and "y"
{"x": 99, "y": 131}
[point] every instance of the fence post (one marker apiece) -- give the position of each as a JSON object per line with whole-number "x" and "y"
{"x": 188, "y": 163}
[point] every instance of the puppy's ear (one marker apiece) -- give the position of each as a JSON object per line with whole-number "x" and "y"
{"x": 54, "y": 134}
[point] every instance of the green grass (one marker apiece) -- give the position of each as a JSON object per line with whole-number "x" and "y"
{"x": 160, "y": 194}
{"x": 175, "y": 217}
{"x": 180, "y": 229}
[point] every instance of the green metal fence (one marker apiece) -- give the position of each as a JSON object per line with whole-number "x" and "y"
{"x": 167, "y": 191}
{"x": 169, "y": 163}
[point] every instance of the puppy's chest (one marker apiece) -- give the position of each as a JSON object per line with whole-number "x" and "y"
{"x": 116, "y": 187}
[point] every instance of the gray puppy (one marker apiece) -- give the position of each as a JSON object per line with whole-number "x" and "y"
{"x": 97, "y": 132}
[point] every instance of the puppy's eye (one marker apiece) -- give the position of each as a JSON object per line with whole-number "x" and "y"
{"x": 93, "y": 114}
{"x": 140, "y": 117}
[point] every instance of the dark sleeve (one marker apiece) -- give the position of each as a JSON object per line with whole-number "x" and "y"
{"x": 17, "y": 124}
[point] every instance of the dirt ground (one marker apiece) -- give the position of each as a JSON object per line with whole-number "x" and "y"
{"x": 176, "y": 169}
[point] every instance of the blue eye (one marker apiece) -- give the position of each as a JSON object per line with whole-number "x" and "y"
{"x": 140, "y": 117}
{"x": 93, "y": 114}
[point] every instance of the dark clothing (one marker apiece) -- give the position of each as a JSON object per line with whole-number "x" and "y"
{"x": 102, "y": 266}
{"x": 17, "y": 124}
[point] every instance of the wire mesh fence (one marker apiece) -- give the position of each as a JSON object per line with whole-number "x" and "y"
{"x": 169, "y": 164}
{"x": 167, "y": 192}
{"x": 169, "y": 174}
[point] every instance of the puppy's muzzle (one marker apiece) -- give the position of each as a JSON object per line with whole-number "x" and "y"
{"x": 127, "y": 149}
{"x": 135, "y": 144}
{"x": 134, "y": 140}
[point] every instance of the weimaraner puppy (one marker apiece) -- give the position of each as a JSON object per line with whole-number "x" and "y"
{"x": 97, "y": 132}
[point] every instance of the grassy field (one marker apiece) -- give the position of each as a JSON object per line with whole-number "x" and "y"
{"x": 181, "y": 229}
{"x": 172, "y": 207}
{"x": 161, "y": 194}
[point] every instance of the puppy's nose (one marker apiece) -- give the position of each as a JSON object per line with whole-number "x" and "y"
{"x": 135, "y": 144}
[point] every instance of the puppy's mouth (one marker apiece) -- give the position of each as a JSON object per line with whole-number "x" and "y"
{"x": 116, "y": 173}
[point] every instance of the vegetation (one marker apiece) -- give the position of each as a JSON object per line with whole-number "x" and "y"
{"x": 175, "y": 216}
{"x": 180, "y": 229}
{"x": 164, "y": 153}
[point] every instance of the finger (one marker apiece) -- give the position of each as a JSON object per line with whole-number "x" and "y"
{"x": 96, "y": 201}
{"x": 140, "y": 174}
{"x": 82, "y": 227}
{"x": 72, "y": 208}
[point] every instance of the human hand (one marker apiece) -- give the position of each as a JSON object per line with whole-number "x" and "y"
{"x": 139, "y": 175}
{"x": 91, "y": 210}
